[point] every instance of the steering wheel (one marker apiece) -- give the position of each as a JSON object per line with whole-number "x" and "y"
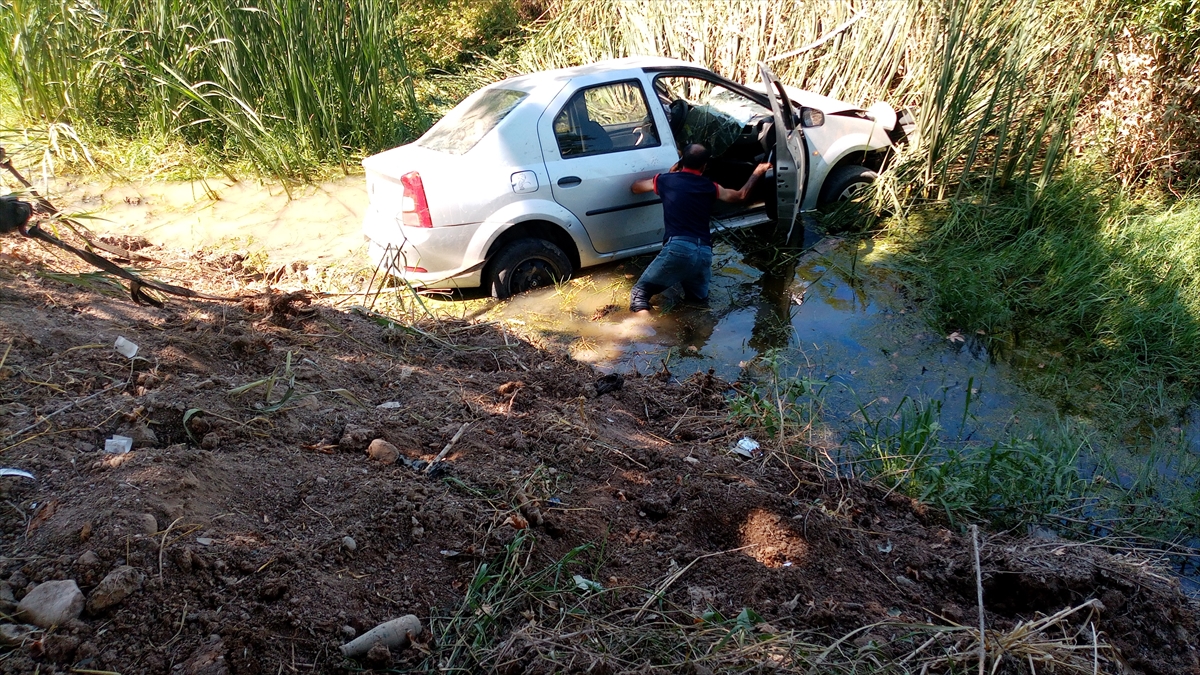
{"x": 678, "y": 111}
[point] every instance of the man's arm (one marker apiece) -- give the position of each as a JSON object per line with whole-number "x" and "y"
{"x": 726, "y": 195}
{"x": 643, "y": 186}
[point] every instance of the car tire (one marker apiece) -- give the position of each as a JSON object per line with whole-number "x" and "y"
{"x": 844, "y": 182}
{"x": 524, "y": 265}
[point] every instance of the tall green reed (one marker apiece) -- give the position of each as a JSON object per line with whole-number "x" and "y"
{"x": 998, "y": 85}
{"x": 283, "y": 84}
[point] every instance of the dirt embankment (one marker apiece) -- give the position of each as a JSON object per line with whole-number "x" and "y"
{"x": 261, "y": 534}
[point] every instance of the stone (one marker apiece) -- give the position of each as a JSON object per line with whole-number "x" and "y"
{"x": 15, "y": 635}
{"x": 52, "y": 603}
{"x": 349, "y": 544}
{"x": 348, "y": 632}
{"x": 207, "y": 660}
{"x": 355, "y": 439}
{"x": 87, "y": 559}
{"x": 118, "y": 585}
{"x": 379, "y": 655}
{"x": 383, "y": 452}
{"x": 147, "y": 523}
{"x": 143, "y": 436}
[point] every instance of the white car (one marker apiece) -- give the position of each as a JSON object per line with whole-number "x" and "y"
{"x": 528, "y": 179}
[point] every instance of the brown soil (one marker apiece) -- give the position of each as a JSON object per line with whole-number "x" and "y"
{"x": 247, "y": 565}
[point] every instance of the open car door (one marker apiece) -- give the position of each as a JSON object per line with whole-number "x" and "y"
{"x": 791, "y": 155}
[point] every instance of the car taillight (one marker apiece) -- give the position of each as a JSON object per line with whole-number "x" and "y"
{"x": 415, "y": 208}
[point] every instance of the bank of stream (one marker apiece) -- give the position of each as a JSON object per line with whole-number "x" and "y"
{"x": 833, "y": 314}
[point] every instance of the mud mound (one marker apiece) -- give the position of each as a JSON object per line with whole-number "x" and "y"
{"x": 267, "y": 535}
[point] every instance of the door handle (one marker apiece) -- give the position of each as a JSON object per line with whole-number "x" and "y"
{"x": 569, "y": 181}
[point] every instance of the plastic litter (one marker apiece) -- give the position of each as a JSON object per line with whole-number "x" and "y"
{"x": 585, "y": 584}
{"x": 388, "y": 405}
{"x": 118, "y": 445}
{"x": 747, "y": 447}
{"x": 125, "y": 348}
{"x": 16, "y": 472}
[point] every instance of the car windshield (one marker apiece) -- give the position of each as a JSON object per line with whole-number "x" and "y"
{"x": 462, "y": 127}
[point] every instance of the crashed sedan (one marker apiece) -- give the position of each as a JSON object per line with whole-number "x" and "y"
{"x": 528, "y": 180}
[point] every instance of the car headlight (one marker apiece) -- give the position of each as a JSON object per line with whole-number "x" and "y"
{"x": 812, "y": 118}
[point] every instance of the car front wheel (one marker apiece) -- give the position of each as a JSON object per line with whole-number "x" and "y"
{"x": 846, "y": 182}
{"x": 526, "y": 264}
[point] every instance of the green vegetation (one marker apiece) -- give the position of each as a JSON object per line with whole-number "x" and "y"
{"x": 281, "y": 84}
{"x": 1066, "y": 476}
{"x": 1100, "y": 293}
{"x": 519, "y": 617}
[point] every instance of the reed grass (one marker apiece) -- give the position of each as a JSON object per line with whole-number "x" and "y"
{"x": 998, "y": 85}
{"x": 282, "y": 84}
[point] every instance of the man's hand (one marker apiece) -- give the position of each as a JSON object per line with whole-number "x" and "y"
{"x": 732, "y": 196}
{"x": 642, "y": 186}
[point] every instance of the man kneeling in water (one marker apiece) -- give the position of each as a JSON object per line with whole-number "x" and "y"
{"x": 686, "y": 256}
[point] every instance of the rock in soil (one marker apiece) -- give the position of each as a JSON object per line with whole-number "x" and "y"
{"x": 147, "y": 524}
{"x": 383, "y": 452}
{"x": 52, "y": 603}
{"x": 118, "y": 585}
{"x": 349, "y": 544}
{"x": 208, "y": 660}
{"x": 355, "y": 439}
{"x": 16, "y": 634}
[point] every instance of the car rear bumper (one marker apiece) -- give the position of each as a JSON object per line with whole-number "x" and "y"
{"x": 426, "y": 257}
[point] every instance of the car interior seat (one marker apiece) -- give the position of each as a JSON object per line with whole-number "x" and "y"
{"x": 677, "y": 114}
{"x": 594, "y": 137}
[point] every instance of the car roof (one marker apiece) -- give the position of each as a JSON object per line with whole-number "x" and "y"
{"x": 633, "y": 64}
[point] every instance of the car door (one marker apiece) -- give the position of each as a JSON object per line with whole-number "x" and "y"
{"x": 791, "y": 153}
{"x": 598, "y": 137}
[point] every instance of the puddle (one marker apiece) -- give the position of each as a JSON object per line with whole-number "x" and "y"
{"x": 320, "y": 223}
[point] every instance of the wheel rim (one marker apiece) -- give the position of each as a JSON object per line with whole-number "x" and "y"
{"x": 531, "y": 274}
{"x": 853, "y": 191}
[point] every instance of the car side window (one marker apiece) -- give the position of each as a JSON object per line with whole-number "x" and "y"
{"x": 605, "y": 118}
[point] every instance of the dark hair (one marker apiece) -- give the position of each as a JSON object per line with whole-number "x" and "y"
{"x": 695, "y": 156}
{"x": 13, "y": 213}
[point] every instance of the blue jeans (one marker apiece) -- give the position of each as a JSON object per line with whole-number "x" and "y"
{"x": 681, "y": 260}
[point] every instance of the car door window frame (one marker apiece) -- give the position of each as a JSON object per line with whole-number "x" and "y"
{"x": 582, "y": 91}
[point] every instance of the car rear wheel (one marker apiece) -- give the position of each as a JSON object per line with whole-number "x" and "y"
{"x": 526, "y": 264}
{"x": 846, "y": 182}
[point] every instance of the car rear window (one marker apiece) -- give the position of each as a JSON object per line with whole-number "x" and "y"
{"x": 463, "y": 126}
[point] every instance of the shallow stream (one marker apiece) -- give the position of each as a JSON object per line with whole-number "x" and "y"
{"x": 829, "y": 312}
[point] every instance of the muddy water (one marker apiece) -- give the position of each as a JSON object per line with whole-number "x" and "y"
{"x": 831, "y": 312}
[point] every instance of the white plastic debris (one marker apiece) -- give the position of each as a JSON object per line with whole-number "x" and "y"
{"x": 125, "y": 348}
{"x": 16, "y": 472}
{"x": 388, "y": 405}
{"x": 585, "y": 584}
{"x": 747, "y": 447}
{"x": 118, "y": 445}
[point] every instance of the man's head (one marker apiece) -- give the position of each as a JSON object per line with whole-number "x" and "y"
{"x": 13, "y": 214}
{"x": 695, "y": 157}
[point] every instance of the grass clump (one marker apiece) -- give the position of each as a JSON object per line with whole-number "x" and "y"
{"x": 521, "y": 616}
{"x": 280, "y": 84}
{"x": 1100, "y": 293}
